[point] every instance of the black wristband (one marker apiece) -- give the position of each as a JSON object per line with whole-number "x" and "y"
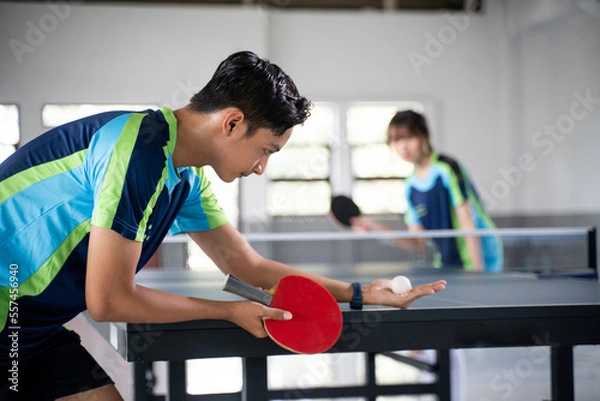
{"x": 356, "y": 302}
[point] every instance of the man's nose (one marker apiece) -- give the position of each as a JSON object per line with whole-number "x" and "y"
{"x": 258, "y": 169}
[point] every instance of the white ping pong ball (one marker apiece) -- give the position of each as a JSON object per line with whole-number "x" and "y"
{"x": 401, "y": 284}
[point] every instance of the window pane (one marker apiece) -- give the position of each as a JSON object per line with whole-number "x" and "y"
{"x": 9, "y": 125}
{"x": 5, "y": 151}
{"x": 213, "y": 375}
{"x": 380, "y": 196}
{"x": 319, "y": 128}
{"x": 289, "y": 372}
{"x": 299, "y": 162}
{"x": 378, "y": 161}
{"x": 9, "y": 130}
{"x": 368, "y": 123}
{"x": 56, "y": 114}
{"x": 198, "y": 260}
{"x": 227, "y": 194}
{"x": 298, "y": 198}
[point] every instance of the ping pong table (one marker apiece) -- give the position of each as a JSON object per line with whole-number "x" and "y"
{"x": 476, "y": 310}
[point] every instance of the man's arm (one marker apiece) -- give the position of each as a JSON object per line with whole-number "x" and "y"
{"x": 113, "y": 295}
{"x": 232, "y": 254}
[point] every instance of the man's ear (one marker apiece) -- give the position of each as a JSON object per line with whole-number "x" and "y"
{"x": 233, "y": 121}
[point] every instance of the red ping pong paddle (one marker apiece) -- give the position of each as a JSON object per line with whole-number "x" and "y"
{"x": 344, "y": 209}
{"x": 316, "y": 322}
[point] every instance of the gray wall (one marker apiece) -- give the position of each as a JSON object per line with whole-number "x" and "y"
{"x": 497, "y": 79}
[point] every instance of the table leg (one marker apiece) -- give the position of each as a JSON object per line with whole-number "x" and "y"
{"x": 443, "y": 371}
{"x": 176, "y": 381}
{"x": 255, "y": 379}
{"x": 563, "y": 388}
{"x": 143, "y": 381}
{"x": 371, "y": 386}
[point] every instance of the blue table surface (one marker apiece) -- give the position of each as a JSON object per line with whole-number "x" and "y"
{"x": 464, "y": 289}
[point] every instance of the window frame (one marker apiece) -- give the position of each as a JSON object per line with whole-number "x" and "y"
{"x": 326, "y": 145}
{"x": 16, "y": 145}
{"x": 342, "y": 178}
{"x": 105, "y": 107}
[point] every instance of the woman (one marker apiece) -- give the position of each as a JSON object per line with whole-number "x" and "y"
{"x": 440, "y": 196}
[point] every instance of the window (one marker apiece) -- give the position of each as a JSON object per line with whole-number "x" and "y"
{"x": 299, "y": 174}
{"x": 9, "y": 130}
{"x": 351, "y": 140}
{"x": 227, "y": 194}
{"x": 378, "y": 174}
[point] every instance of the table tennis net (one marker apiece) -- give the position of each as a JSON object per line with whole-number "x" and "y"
{"x": 530, "y": 250}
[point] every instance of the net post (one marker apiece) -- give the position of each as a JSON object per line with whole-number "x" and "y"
{"x": 592, "y": 250}
{"x": 592, "y": 256}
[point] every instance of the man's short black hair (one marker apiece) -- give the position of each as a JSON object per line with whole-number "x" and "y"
{"x": 260, "y": 89}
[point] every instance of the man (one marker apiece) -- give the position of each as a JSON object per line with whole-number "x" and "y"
{"x": 84, "y": 206}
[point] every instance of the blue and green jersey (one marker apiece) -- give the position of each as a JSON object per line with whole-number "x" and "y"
{"x": 113, "y": 170}
{"x": 432, "y": 203}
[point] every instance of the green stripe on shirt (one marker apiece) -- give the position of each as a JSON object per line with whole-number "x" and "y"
{"x": 167, "y": 149}
{"x": 141, "y": 232}
{"x": 40, "y": 280}
{"x": 172, "y": 121}
{"x": 22, "y": 180}
{"x": 457, "y": 199}
{"x": 214, "y": 213}
{"x": 109, "y": 197}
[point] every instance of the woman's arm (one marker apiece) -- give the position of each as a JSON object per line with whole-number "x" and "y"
{"x": 465, "y": 218}
{"x": 365, "y": 224}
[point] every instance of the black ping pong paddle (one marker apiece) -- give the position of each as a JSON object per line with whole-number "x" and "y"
{"x": 344, "y": 209}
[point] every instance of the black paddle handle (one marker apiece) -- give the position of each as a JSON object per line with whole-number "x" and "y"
{"x": 236, "y": 286}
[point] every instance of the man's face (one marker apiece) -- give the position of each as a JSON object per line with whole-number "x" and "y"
{"x": 244, "y": 155}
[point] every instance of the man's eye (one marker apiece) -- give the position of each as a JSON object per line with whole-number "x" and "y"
{"x": 268, "y": 152}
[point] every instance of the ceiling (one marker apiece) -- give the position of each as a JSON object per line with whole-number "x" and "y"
{"x": 466, "y": 5}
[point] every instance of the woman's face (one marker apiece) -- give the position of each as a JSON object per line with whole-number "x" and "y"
{"x": 409, "y": 146}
